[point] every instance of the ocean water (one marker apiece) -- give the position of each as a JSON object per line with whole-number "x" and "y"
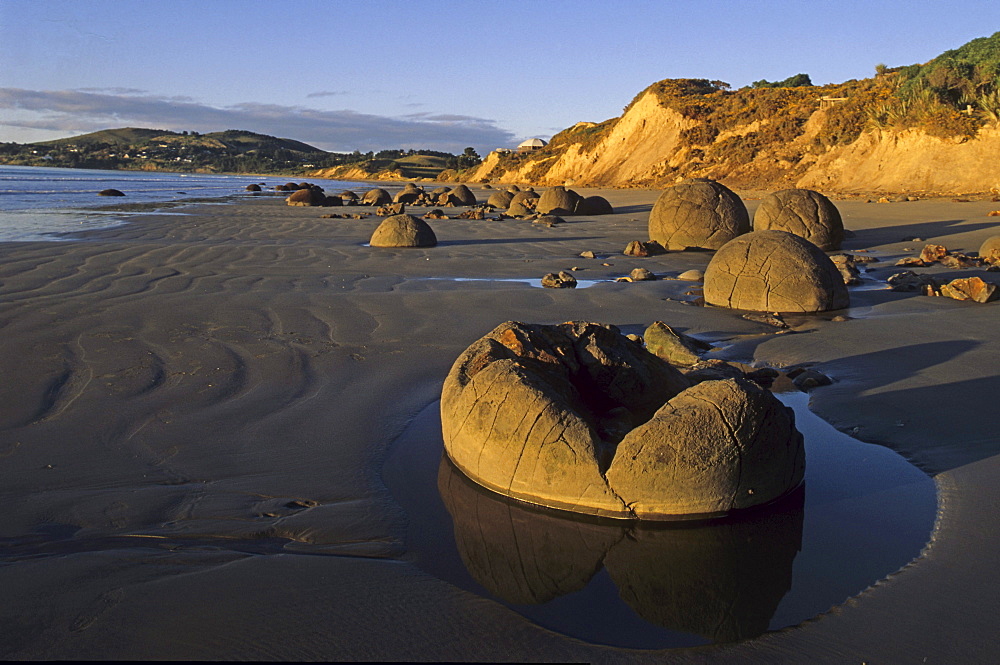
{"x": 39, "y": 203}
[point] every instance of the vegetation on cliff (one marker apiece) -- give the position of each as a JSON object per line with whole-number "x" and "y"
{"x": 749, "y": 133}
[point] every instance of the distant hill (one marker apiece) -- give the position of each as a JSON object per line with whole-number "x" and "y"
{"x": 924, "y": 128}
{"x": 230, "y": 151}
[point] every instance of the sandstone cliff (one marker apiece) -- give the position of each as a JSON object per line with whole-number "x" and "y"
{"x": 827, "y": 138}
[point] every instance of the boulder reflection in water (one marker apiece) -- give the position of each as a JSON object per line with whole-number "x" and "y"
{"x": 722, "y": 580}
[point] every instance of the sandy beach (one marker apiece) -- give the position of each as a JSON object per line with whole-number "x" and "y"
{"x": 196, "y": 411}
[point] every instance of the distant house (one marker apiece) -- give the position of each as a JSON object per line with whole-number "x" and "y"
{"x": 531, "y": 145}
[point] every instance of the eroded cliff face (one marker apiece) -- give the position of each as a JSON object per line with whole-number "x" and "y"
{"x": 645, "y": 147}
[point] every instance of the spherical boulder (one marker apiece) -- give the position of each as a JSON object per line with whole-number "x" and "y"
{"x": 310, "y": 196}
{"x": 595, "y": 205}
{"x": 700, "y": 214}
{"x": 774, "y": 271}
{"x": 409, "y": 194}
{"x": 376, "y": 197}
{"x": 523, "y": 203}
{"x": 805, "y": 213}
{"x": 717, "y": 447}
{"x": 348, "y": 197}
{"x": 558, "y": 201}
{"x": 989, "y": 251}
{"x": 333, "y": 201}
{"x": 500, "y": 199}
{"x": 253, "y": 188}
{"x": 403, "y": 231}
{"x": 462, "y": 195}
{"x": 524, "y": 408}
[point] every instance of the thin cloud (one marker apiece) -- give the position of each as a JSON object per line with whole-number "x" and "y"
{"x": 75, "y": 111}
{"x": 326, "y": 93}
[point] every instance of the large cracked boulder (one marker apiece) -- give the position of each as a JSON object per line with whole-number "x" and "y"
{"x": 805, "y": 213}
{"x": 578, "y": 417}
{"x": 403, "y": 231}
{"x": 558, "y": 201}
{"x": 774, "y": 271}
{"x": 699, "y": 214}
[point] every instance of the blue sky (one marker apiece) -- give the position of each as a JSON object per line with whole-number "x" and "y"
{"x": 377, "y": 74}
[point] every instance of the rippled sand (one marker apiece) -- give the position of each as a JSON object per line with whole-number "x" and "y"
{"x": 195, "y": 409}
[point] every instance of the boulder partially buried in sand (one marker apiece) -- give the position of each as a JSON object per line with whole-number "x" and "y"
{"x": 376, "y": 197}
{"x": 500, "y": 199}
{"x": 578, "y": 417}
{"x": 403, "y": 231}
{"x": 462, "y": 196}
{"x": 111, "y": 192}
{"x": 309, "y": 196}
{"x": 700, "y": 214}
{"x": 594, "y": 205}
{"x": 558, "y": 201}
{"x": 805, "y": 213}
{"x": 774, "y": 271}
{"x": 989, "y": 251}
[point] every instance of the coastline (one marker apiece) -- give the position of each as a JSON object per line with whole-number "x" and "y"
{"x": 200, "y": 401}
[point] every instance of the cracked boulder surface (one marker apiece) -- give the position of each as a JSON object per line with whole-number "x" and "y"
{"x": 717, "y": 447}
{"x": 544, "y": 414}
{"x": 989, "y": 251}
{"x": 700, "y": 214}
{"x": 774, "y": 271}
{"x": 804, "y": 212}
{"x": 403, "y": 231}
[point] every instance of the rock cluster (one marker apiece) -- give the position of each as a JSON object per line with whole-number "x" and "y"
{"x": 559, "y": 280}
{"x": 578, "y": 417}
{"x": 969, "y": 288}
{"x": 940, "y": 254}
{"x": 700, "y": 214}
{"x": 805, "y": 213}
{"x": 774, "y": 271}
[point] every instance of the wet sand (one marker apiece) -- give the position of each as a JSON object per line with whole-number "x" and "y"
{"x": 196, "y": 410}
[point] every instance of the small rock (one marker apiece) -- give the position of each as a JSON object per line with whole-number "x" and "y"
{"x": 908, "y": 281}
{"x": 713, "y": 369}
{"x": 641, "y": 248}
{"x": 771, "y": 319}
{"x": 911, "y": 261}
{"x": 932, "y": 253}
{"x": 848, "y": 271}
{"x": 560, "y": 280}
{"x": 970, "y": 288}
{"x": 674, "y": 347}
{"x": 588, "y": 255}
{"x": 840, "y": 318}
{"x": 641, "y": 275}
{"x": 692, "y": 276}
{"x": 807, "y": 379}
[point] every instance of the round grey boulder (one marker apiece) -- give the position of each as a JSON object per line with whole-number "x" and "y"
{"x": 500, "y": 199}
{"x": 717, "y": 447}
{"x": 558, "y": 201}
{"x": 805, "y": 213}
{"x": 700, "y": 214}
{"x": 462, "y": 196}
{"x": 403, "y": 231}
{"x": 595, "y": 205}
{"x": 310, "y": 196}
{"x": 409, "y": 194}
{"x": 376, "y": 197}
{"x": 774, "y": 271}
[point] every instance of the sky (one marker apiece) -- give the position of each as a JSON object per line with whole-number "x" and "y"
{"x": 437, "y": 74}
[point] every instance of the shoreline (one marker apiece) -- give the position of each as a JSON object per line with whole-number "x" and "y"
{"x": 237, "y": 376}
